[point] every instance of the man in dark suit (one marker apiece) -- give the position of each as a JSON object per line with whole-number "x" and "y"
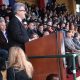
{"x": 3, "y": 43}
{"x": 3, "y": 35}
{"x": 16, "y": 32}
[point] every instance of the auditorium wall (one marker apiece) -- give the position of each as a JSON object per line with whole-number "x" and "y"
{"x": 70, "y": 4}
{"x": 30, "y": 2}
{"x": 62, "y": 1}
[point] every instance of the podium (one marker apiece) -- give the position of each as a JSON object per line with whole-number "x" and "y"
{"x": 46, "y": 46}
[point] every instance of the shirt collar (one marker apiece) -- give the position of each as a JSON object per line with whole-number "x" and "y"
{"x": 3, "y": 32}
{"x": 19, "y": 18}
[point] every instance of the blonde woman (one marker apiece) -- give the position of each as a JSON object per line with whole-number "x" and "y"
{"x": 19, "y": 68}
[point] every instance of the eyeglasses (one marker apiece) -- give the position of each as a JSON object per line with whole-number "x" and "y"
{"x": 23, "y": 10}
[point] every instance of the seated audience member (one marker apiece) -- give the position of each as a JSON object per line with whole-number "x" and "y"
{"x": 19, "y": 68}
{"x": 46, "y": 33}
{"x": 77, "y": 42}
{"x": 31, "y": 29}
{"x": 3, "y": 45}
{"x": 3, "y": 34}
{"x": 70, "y": 47}
{"x": 50, "y": 29}
{"x": 76, "y": 39}
{"x": 25, "y": 25}
{"x": 7, "y": 19}
{"x": 52, "y": 77}
{"x": 34, "y": 35}
{"x": 70, "y": 44}
{"x": 3, "y": 59}
{"x": 72, "y": 27}
{"x": 40, "y": 30}
{"x": 3, "y": 41}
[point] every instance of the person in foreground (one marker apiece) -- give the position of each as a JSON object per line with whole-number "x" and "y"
{"x": 17, "y": 34}
{"x": 19, "y": 68}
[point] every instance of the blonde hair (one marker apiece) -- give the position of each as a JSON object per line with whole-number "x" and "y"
{"x": 17, "y": 57}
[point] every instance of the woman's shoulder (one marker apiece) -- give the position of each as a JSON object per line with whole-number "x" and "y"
{"x": 19, "y": 74}
{"x": 10, "y": 74}
{"x": 12, "y": 70}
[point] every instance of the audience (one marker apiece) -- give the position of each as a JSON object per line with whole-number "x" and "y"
{"x": 38, "y": 23}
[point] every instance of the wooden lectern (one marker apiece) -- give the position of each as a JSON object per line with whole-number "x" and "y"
{"x": 48, "y": 45}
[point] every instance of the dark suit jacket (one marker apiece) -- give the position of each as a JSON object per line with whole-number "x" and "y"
{"x": 15, "y": 74}
{"x": 3, "y": 41}
{"x": 17, "y": 34}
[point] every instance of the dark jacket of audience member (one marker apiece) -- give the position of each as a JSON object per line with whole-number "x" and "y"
{"x": 3, "y": 41}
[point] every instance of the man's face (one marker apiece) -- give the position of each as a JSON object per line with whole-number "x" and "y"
{"x": 31, "y": 26}
{"x": 21, "y": 13}
{"x": 2, "y": 26}
{"x": 69, "y": 34}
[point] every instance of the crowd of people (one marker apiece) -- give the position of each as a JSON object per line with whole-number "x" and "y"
{"x": 22, "y": 23}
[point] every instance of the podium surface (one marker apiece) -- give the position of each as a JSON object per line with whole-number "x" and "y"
{"x": 46, "y": 46}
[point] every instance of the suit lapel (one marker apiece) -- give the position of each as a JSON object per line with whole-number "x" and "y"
{"x": 2, "y": 37}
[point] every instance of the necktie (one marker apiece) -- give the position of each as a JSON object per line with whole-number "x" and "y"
{"x": 5, "y": 35}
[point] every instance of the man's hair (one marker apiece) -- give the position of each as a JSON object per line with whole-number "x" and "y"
{"x": 76, "y": 34}
{"x": 2, "y": 19}
{"x": 52, "y": 76}
{"x": 17, "y": 6}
